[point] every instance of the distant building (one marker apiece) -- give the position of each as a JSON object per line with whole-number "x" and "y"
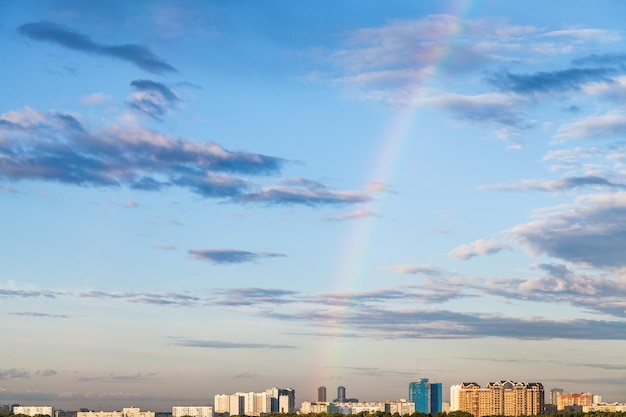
{"x": 554, "y": 395}
{"x": 126, "y": 412}
{"x": 273, "y": 400}
{"x": 401, "y": 407}
{"x": 192, "y": 411}
{"x": 426, "y": 396}
{"x": 454, "y": 397}
{"x": 341, "y": 394}
{"x": 319, "y": 407}
{"x": 436, "y": 398}
{"x": 503, "y": 398}
{"x": 33, "y": 410}
{"x": 321, "y": 394}
{"x": 573, "y": 401}
{"x": 604, "y": 407}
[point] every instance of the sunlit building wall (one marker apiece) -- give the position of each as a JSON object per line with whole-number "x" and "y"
{"x": 33, "y": 410}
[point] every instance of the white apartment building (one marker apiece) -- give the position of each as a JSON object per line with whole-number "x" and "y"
{"x": 401, "y": 407}
{"x": 273, "y": 400}
{"x": 192, "y": 411}
{"x": 33, "y": 410}
{"x": 605, "y": 407}
{"x": 126, "y": 412}
{"x": 455, "y": 391}
{"x": 222, "y": 403}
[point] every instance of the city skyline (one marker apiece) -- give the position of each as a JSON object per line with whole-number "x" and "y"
{"x": 203, "y": 197}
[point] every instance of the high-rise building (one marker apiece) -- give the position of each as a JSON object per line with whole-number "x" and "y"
{"x": 286, "y": 401}
{"x": 436, "y": 399}
{"x": 554, "y": 395}
{"x": 454, "y": 397}
{"x": 341, "y": 394}
{"x": 419, "y": 394}
{"x": 321, "y": 394}
{"x": 503, "y": 398}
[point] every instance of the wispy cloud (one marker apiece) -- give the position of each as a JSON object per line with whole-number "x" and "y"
{"x": 254, "y": 296}
{"x": 113, "y": 378}
{"x": 408, "y": 269}
{"x": 562, "y": 184}
{"x": 153, "y": 98}
{"x": 216, "y": 344}
{"x": 139, "y": 55}
{"x": 40, "y": 315}
{"x": 230, "y": 256}
{"x": 165, "y": 247}
{"x": 14, "y": 373}
{"x": 476, "y": 248}
{"x": 545, "y": 82}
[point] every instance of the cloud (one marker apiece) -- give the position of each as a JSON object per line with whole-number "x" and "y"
{"x": 245, "y": 375}
{"x": 608, "y": 125}
{"x": 165, "y": 247}
{"x": 153, "y": 98}
{"x": 434, "y": 293}
{"x": 426, "y": 270}
{"x": 42, "y": 315}
{"x": 230, "y": 256}
{"x": 444, "y": 324}
{"x": 476, "y": 248}
{"x": 612, "y": 59}
{"x": 306, "y": 195}
{"x": 56, "y": 146}
{"x": 14, "y": 373}
{"x": 113, "y": 378}
{"x": 357, "y": 214}
{"x": 47, "y": 373}
{"x": 139, "y": 55}
{"x": 591, "y": 231}
{"x": 216, "y": 344}
{"x": 254, "y": 296}
{"x": 562, "y": 184}
{"x": 545, "y": 82}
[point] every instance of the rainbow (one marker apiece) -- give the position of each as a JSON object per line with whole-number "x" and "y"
{"x": 386, "y": 163}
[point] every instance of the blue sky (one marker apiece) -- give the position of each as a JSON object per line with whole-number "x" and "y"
{"x": 209, "y": 197}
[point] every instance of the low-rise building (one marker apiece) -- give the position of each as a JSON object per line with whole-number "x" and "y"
{"x": 126, "y": 412}
{"x": 33, "y": 410}
{"x": 192, "y": 411}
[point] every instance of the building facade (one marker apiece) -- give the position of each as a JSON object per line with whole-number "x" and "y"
{"x": 341, "y": 394}
{"x": 436, "y": 399}
{"x": 573, "y": 401}
{"x": 321, "y": 394}
{"x": 33, "y": 410}
{"x": 504, "y": 398}
{"x": 273, "y": 400}
{"x": 419, "y": 394}
{"x": 427, "y": 396}
{"x": 126, "y": 412}
{"x": 192, "y": 411}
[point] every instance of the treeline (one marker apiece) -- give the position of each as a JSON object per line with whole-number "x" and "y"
{"x": 450, "y": 414}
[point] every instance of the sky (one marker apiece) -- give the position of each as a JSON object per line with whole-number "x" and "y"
{"x": 203, "y": 197}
